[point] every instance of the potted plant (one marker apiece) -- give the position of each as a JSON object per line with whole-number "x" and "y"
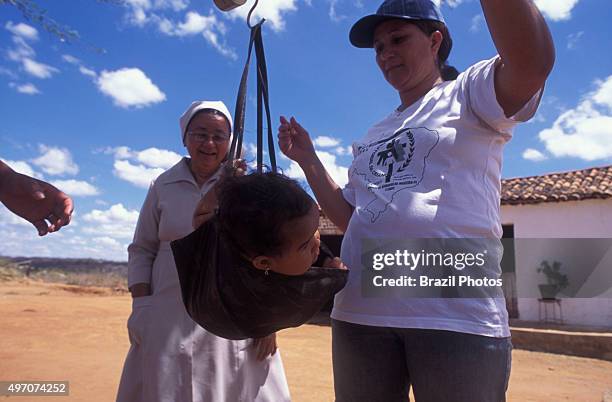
{"x": 555, "y": 280}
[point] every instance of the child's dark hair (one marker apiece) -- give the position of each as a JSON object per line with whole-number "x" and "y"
{"x": 253, "y": 210}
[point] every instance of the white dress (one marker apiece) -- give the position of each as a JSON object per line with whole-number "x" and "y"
{"x": 171, "y": 358}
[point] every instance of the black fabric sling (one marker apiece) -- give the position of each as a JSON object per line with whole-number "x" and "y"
{"x": 224, "y": 294}
{"x": 221, "y": 290}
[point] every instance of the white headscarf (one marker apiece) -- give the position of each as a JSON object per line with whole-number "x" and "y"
{"x": 195, "y": 107}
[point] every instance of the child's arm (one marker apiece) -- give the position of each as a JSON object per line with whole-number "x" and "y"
{"x": 209, "y": 203}
{"x": 205, "y": 209}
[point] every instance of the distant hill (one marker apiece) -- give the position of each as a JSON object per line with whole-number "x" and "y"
{"x": 73, "y": 265}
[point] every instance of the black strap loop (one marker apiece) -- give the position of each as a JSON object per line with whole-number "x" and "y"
{"x": 263, "y": 102}
{"x": 262, "y": 70}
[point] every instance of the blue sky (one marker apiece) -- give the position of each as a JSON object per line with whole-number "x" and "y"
{"x": 102, "y": 124}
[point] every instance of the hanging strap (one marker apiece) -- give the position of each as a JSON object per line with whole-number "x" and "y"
{"x": 263, "y": 103}
{"x": 239, "y": 112}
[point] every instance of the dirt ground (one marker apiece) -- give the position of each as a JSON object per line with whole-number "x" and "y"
{"x": 54, "y": 332}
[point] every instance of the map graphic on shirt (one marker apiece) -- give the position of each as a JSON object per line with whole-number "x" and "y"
{"x": 393, "y": 164}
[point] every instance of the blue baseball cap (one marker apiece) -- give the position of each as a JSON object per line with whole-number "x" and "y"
{"x": 362, "y": 33}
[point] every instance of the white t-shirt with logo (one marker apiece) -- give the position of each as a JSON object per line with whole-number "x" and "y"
{"x": 430, "y": 171}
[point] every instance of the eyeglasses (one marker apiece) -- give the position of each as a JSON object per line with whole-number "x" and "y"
{"x": 203, "y": 137}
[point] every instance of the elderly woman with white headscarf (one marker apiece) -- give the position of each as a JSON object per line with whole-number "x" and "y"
{"x": 171, "y": 358}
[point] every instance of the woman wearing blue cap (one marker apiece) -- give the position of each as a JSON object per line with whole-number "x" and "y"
{"x": 430, "y": 169}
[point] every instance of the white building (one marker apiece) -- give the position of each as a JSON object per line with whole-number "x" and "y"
{"x": 575, "y": 208}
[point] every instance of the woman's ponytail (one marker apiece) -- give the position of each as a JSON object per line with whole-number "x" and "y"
{"x": 448, "y": 73}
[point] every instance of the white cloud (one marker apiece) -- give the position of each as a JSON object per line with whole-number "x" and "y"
{"x": 28, "y": 88}
{"x": 22, "y": 30}
{"x": 22, "y": 240}
{"x": 249, "y": 153}
{"x": 6, "y": 72}
{"x": 342, "y": 151}
{"x": 333, "y": 14}
{"x": 76, "y": 188}
{"x": 450, "y": 3}
{"x": 584, "y": 132}
{"x": 603, "y": 94}
{"x": 139, "y": 175}
{"x": 538, "y": 118}
{"x": 23, "y": 53}
{"x": 21, "y": 50}
{"x": 106, "y": 241}
{"x": 337, "y": 172}
{"x": 71, "y": 59}
{"x": 9, "y": 218}
{"x": 104, "y": 237}
{"x": 476, "y": 24}
{"x": 129, "y": 87}
{"x": 121, "y": 152}
{"x": 38, "y": 70}
{"x": 213, "y": 39}
{"x": 534, "y": 155}
{"x": 158, "y": 158}
{"x": 573, "y": 39}
{"x": 151, "y": 157}
{"x": 250, "y": 150}
{"x": 138, "y": 17}
{"x": 56, "y": 161}
{"x": 325, "y": 141}
{"x": 137, "y": 13}
{"x": 22, "y": 167}
{"x": 166, "y": 26}
{"x": 141, "y": 12}
{"x": 176, "y": 5}
{"x": 556, "y": 10}
{"x": 115, "y": 222}
{"x": 208, "y": 26}
{"x": 154, "y": 12}
{"x": 82, "y": 69}
{"x": 88, "y": 72}
{"x": 272, "y": 10}
{"x": 195, "y": 24}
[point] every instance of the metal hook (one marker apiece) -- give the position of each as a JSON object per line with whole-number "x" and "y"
{"x": 251, "y": 12}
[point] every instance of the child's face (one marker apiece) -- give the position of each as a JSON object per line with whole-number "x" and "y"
{"x": 302, "y": 245}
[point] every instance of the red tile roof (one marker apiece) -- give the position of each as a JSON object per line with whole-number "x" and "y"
{"x": 557, "y": 187}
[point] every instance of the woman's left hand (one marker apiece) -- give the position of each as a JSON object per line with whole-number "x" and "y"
{"x": 265, "y": 346}
{"x": 335, "y": 262}
{"x": 237, "y": 167}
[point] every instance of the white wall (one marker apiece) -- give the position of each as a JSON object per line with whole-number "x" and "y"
{"x": 571, "y": 220}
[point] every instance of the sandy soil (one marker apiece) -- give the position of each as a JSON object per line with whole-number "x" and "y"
{"x": 55, "y": 332}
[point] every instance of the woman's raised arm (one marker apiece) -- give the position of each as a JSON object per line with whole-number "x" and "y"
{"x": 525, "y": 45}
{"x": 296, "y": 144}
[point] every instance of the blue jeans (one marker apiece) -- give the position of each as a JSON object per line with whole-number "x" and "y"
{"x": 380, "y": 364}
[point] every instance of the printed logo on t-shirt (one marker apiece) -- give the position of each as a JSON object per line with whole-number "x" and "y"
{"x": 394, "y": 164}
